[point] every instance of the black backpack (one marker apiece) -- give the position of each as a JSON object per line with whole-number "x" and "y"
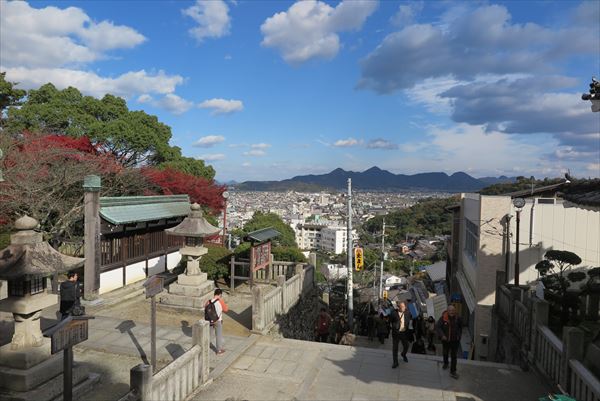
{"x": 210, "y": 311}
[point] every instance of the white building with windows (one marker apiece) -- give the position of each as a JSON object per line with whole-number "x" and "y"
{"x": 334, "y": 239}
{"x": 483, "y": 242}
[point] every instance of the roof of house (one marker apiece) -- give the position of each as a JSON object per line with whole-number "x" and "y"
{"x": 263, "y": 234}
{"x": 583, "y": 192}
{"x": 535, "y": 191}
{"x": 135, "y": 209}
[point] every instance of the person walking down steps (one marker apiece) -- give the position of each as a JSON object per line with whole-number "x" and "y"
{"x": 449, "y": 330}
{"x": 213, "y": 313}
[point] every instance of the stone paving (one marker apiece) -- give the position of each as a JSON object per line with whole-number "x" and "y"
{"x": 283, "y": 369}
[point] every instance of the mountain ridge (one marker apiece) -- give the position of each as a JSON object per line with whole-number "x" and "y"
{"x": 376, "y": 179}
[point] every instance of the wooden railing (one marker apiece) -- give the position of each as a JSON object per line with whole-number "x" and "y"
{"x": 584, "y": 385}
{"x": 525, "y": 317}
{"x": 549, "y": 353}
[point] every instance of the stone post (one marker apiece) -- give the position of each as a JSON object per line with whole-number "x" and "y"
{"x": 516, "y": 294}
{"x": 281, "y": 283}
{"x": 326, "y": 298}
{"x": 312, "y": 259}
{"x": 500, "y": 279}
{"x": 91, "y": 201}
{"x": 140, "y": 380}
{"x": 573, "y": 348}
{"x": 201, "y": 337}
{"x": 300, "y": 272}
{"x": 257, "y": 309}
{"x": 539, "y": 317}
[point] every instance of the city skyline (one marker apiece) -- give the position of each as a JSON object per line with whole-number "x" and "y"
{"x": 272, "y": 90}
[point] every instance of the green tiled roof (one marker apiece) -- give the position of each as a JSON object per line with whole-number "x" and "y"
{"x": 135, "y": 209}
{"x": 263, "y": 234}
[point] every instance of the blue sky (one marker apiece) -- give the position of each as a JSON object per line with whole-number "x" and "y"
{"x": 271, "y": 89}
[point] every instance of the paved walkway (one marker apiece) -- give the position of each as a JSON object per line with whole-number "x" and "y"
{"x": 282, "y": 369}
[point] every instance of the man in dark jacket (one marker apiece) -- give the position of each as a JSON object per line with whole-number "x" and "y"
{"x": 400, "y": 320}
{"x": 69, "y": 294}
{"x": 449, "y": 330}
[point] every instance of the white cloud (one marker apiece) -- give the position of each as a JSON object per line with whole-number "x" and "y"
{"x": 309, "y": 29}
{"x": 346, "y": 143}
{"x": 380, "y": 143}
{"x": 260, "y": 146}
{"x": 209, "y": 141}
{"x": 406, "y": 13}
{"x": 246, "y": 164}
{"x": 212, "y": 17}
{"x": 594, "y": 168}
{"x": 53, "y": 37}
{"x": 222, "y": 106}
{"x": 126, "y": 85}
{"x": 255, "y": 153}
{"x": 211, "y": 157}
{"x": 474, "y": 42}
{"x": 170, "y": 102}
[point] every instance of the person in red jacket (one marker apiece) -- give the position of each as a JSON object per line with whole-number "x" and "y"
{"x": 449, "y": 330}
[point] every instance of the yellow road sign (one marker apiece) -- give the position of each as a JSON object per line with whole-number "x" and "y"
{"x": 358, "y": 258}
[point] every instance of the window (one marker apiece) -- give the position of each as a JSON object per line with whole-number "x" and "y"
{"x": 471, "y": 237}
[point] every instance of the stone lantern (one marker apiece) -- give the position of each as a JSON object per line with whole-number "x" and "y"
{"x": 192, "y": 288}
{"x": 28, "y": 371}
{"x": 26, "y": 264}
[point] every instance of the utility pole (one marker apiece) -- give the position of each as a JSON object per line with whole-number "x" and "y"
{"x": 349, "y": 253}
{"x": 382, "y": 257}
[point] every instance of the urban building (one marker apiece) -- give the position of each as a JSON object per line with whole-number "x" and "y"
{"x": 484, "y": 242}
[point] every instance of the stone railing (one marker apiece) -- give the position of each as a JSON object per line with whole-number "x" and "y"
{"x": 179, "y": 379}
{"x": 267, "y": 304}
{"x": 276, "y": 269}
{"x": 521, "y": 322}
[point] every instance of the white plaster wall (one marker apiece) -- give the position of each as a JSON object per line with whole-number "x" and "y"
{"x": 111, "y": 280}
{"x": 135, "y": 272}
{"x": 173, "y": 260}
{"x": 156, "y": 265}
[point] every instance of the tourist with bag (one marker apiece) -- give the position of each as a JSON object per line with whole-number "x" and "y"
{"x": 322, "y": 326}
{"x": 400, "y": 320}
{"x": 449, "y": 330}
{"x": 70, "y": 294}
{"x": 213, "y": 313}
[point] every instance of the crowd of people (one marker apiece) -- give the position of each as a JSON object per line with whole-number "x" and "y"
{"x": 405, "y": 325}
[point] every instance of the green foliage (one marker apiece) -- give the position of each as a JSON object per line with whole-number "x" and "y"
{"x": 521, "y": 184}
{"x": 9, "y": 96}
{"x": 264, "y": 220}
{"x": 4, "y": 240}
{"x": 216, "y": 262}
{"x": 189, "y": 165}
{"x": 288, "y": 254}
{"x": 133, "y": 137}
{"x": 427, "y": 217}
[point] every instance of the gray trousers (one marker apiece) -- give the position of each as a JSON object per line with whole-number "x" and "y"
{"x": 218, "y": 326}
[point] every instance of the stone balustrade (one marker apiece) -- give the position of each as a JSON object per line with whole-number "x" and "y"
{"x": 267, "y": 304}
{"x": 180, "y": 378}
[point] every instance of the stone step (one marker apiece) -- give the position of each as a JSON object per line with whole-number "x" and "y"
{"x": 184, "y": 300}
{"x": 52, "y": 388}
{"x": 192, "y": 290}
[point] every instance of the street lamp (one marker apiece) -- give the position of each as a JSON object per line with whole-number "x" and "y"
{"x": 518, "y": 203}
{"x": 225, "y": 196}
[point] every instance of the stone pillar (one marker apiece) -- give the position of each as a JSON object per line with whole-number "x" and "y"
{"x": 91, "y": 201}
{"x": 516, "y": 294}
{"x": 539, "y": 316}
{"x": 140, "y": 380}
{"x": 257, "y": 309}
{"x": 201, "y": 337}
{"x": 284, "y": 295}
{"x": 573, "y": 348}
{"x": 500, "y": 279}
{"x": 312, "y": 259}
{"x": 326, "y": 298}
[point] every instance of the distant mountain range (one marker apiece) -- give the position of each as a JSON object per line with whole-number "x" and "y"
{"x": 376, "y": 179}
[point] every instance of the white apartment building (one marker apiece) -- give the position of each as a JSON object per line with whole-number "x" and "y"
{"x": 483, "y": 242}
{"x": 334, "y": 239}
{"x": 308, "y": 236}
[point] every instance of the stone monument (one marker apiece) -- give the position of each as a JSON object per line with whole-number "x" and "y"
{"x": 27, "y": 369}
{"x": 192, "y": 288}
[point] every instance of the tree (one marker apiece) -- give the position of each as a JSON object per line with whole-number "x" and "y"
{"x": 263, "y": 220}
{"x": 557, "y": 278}
{"x": 216, "y": 262}
{"x": 9, "y": 95}
{"x": 133, "y": 138}
{"x": 173, "y": 182}
{"x": 44, "y": 179}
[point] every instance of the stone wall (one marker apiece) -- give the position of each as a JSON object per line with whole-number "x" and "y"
{"x": 299, "y": 322}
